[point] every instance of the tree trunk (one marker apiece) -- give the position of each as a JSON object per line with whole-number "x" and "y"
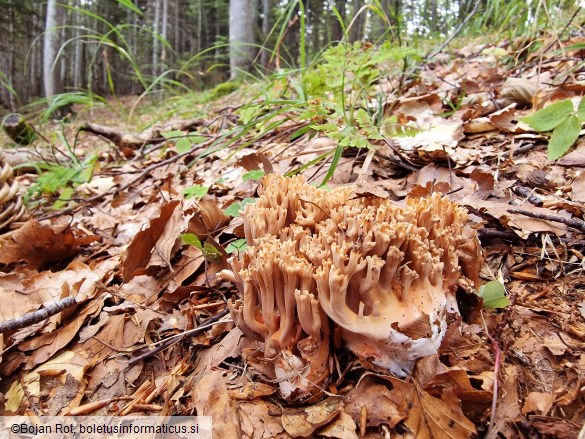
{"x": 77, "y": 70}
{"x": 51, "y": 73}
{"x": 155, "y": 37}
{"x": 165, "y": 19}
{"x": 337, "y": 31}
{"x": 11, "y": 60}
{"x": 356, "y": 32}
{"x": 242, "y": 16}
{"x": 266, "y": 25}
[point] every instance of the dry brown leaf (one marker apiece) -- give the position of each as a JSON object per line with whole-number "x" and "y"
{"x": 38, "y": 244}
{"x": 304, "y": 421}
{"x": 230, "y": 346}
{"x": 251, "y": 391}
{"x": 261, "y": 420}
{"x": 435, "y": 418}
{"x": 45, "y": 346}
{"x": 520, "y": 90}
{"x": 555, "y": 427}
{"x": 576, "y": 157}
{"x": 143, "y": 247}
{"x": 435, "y": 378}
{"x": 342, "y": 427}
{"x": 211, "y": 398}
{"x": 578, "y": 188}
{"x": 538, "y": 402}
{"x": 253, "y": 161}
{"x": 384, "y": 402}
{"x": 60, "y": 380}
{"x": 207, "y": 219}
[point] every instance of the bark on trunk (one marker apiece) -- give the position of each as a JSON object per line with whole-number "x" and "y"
{"x": 241, "y": 36}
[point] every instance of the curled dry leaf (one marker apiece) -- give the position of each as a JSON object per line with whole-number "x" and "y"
{"x": 304, "y": 421}
{"x": 153, "y": 245}
{"x": 211, "y": 398}
{"x": 39, "y": 244}
{"x": 251, "y": 391}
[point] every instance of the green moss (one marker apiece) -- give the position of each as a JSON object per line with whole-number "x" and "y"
{"x": 224, "y": 89}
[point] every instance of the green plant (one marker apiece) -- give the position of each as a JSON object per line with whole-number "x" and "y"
{"x": 60, "y": 181}
{"x": 210, "y": 253}
{"x": 256, "y": 174}
{"x": 183, "y": 142}
{"x": 235, "y": 208}
{"x": 223, "y": 89}
{"x": 196, "y": 191}
{"x": 237, "y": 246}
{"x": 563, "y": 120}
{"x": 494, "y": 295}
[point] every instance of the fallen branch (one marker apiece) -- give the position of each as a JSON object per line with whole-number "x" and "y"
{"x": 574, "y": 223}
{"x": 528, "y": 194}
{"x": 31, "y": 318}
{"x": 124, "y": 140}
{"x": 177, "y": 338}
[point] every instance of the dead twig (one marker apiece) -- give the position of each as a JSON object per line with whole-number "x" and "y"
{"x": 574, "y": 223}
{"x": 177, "y": 338}
{"x": 528, "y": 194}
{"x": 31, "y": 318}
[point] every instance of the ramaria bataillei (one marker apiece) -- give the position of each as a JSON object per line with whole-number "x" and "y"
{"x": 317, "y": 259}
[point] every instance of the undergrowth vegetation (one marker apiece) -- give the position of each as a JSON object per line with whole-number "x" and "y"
{"x": 338, "y": 91}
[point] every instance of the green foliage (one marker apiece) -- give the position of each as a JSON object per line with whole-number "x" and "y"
{"x": 183, "y": 142}
{"x": 210, "y": 252}
{"x": 234, "y": 209}
{"x": 332, "y": 97}
{"x": 237, "y": 246}
{"x": 563, "y": 120}
{"x": 256, "y": 174}
{"x": 60, "y": 180}
{"x": 223, "y": 89}
{"x": 57, "y": 103}
{"x": 196, "y": 191}
{"x": 494, "y": 295}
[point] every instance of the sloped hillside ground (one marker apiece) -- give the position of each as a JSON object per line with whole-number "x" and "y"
{"x": 149, "y": 333}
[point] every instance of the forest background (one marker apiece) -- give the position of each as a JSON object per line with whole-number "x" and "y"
{"x": 125, "y": 47}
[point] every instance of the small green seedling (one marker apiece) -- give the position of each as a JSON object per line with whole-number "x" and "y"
{"x": 256, "y": 174}
{"x": 183, "y": 143}
{"x": 494, "y": 295}
{"x": 237, "y": 246}
{"x": 196, "y": 191}
{"x": 210, "y": 253}
{"x": 235, "y": 208}
{"x": 564, "y": 122}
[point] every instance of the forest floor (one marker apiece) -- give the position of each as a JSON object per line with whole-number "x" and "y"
{"x": 129, "y": 343}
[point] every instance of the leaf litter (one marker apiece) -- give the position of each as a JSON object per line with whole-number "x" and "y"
{"x": 131, "y": 343}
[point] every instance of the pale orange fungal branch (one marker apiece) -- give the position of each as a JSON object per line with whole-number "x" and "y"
{"x": 386, "y": 275}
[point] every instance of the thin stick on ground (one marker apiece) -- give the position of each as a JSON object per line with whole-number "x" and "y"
{"x": 498, "y": 355}
{"x": 37, "y": 316}
{"x": 574, "y": 223}
{"x": 177, "y": 338}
